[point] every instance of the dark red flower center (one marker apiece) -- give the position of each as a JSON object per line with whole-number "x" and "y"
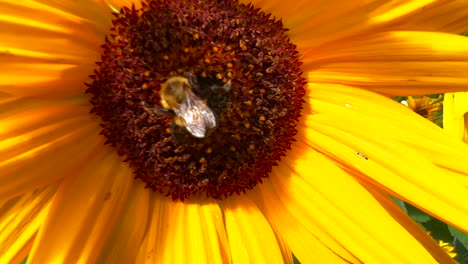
{"x": 200, "y": 96}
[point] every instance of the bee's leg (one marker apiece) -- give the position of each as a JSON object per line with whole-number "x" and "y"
{"x": 178, "y": 134}
{"x": 164, "y": 111}
{"x": 192, "y": 78}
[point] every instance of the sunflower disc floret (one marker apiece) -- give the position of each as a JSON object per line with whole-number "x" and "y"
{"x": 215, "y": 44}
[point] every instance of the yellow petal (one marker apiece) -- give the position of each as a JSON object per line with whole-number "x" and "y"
{"x": 395, "y": 63}
{"x": 185, "y": 232}
{"x": 308, "y": 241}
{"x": 443, "y": 16}
{"x": 84, "y": 212}
{"x": 455, "y": 118}
{"x": 402, "y": 217}
{"x": 313, "y": 23}
{"x": 390, "y": 119}
{"x": 284, "y": 247}
{"x": 19, "y": 221}
{"x": 55, "y": 33}
{"x": 40, "y": 142}
{"x": 395, "y": 46}
{"x": 338, "y": 204}
{"x": 121, "y": 3}
{"x": 127, "y": 236}
{"x": 64, "y": 51}
{"x": 399, "y": 151}
{"x": 251, "y": 237}
{"x": 95, "y": 12}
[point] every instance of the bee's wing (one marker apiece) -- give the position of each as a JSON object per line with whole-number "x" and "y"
{"x": 196, "y": 115}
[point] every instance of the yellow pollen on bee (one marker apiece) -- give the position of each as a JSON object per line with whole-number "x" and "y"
{"x": 228, "y": 48}
{"x": 230, "y": 74}
{"x": 165, "y": 57}
{"x": 144, "y": 86}
{"x": 203, "y": 74}
{"x": 248, "y": 102}
{"x": 247, "y": 125}
{"x": 219, "y": 76}
{"x": 251, "y": 147}
{"x": 202, "y": 160}
{"x": 147, "y": 73}
{"x": 196, "y": 36}
{"x": 207, "y": 60}
{"x": 186, "y": 50}
{"x": 168, "y": 130}
{"x": 230, "y": 65}
{"x": 209, "y": 150}
{"x": 178, "y": 121}
{"x": 262, "y": 118}
{"x": 215, "y": 49}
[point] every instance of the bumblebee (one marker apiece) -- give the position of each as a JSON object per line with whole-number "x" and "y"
{"x": 191, "y": 112}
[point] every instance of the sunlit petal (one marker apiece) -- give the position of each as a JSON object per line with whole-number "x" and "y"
{"x": 309, "y": 242}
{"x": 194, "y": 228}
{"x": 313, "y": 23}
{"x": 402, "y": 217}
{"x": 20, "y": 219}
{"x": 442, "y": 16}
{"x": 407, "y": 164}
{"x": 40, "y": 141}
{"x": 455, "y": 117}
{"x": 83, "y": 212}
{"x": 124, "y": 242}
{"x": 341, "y": 206}
{"x": 394, "y": 63}
{"x": 121, "y": 3}
{"x": 64, "y": 50}
{"x": 251, "y": 237}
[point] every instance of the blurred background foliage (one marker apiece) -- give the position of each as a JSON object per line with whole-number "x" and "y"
{"x": 431, "y": 108}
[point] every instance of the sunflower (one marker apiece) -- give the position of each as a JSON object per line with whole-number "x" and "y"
{"x": 290, "y": 144}
{"x": 425, "y": 106}
{"x": 448, "y": 248}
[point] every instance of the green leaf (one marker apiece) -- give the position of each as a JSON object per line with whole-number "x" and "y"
{"x": 462, "y": 252}
{"x": 418, "y": 215}
{"x": 459, "y": 235}
{"x": 400, "y": 98}
{"x": 433, "y": 96}
{"x": 460, "y": 243}
{"x": 439, "y": 230}
{"x": 400, "y": 203}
